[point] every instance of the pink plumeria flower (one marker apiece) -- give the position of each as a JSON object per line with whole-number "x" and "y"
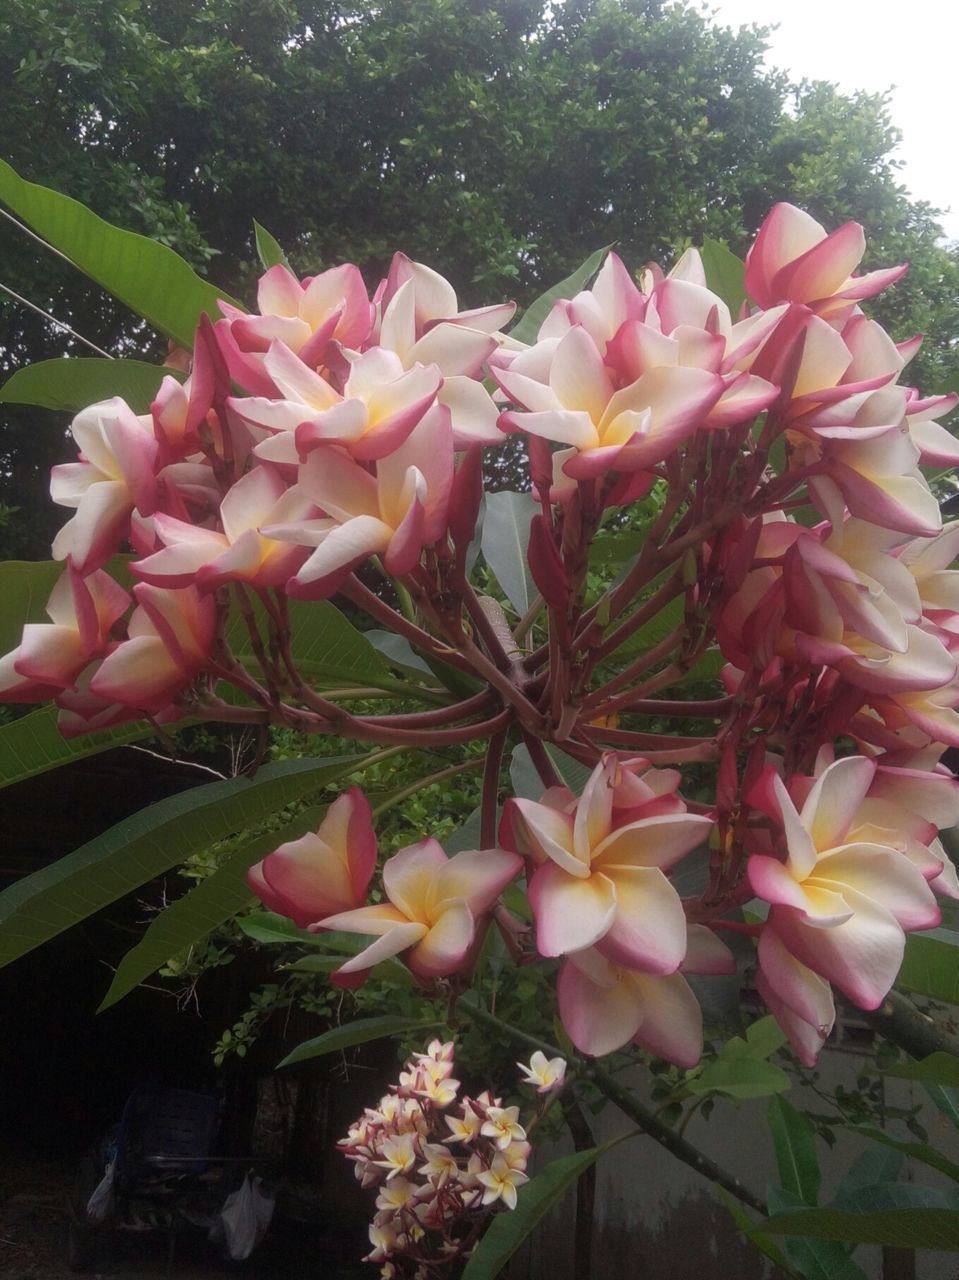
{"x": 575, "y": 402}
{"x": 169, "y": 642}
{"x": 546, "y": 1074}
{"x": 500, "y": 1182}
{"x": 380, "y": 404}
{"x": 605, "y": 1006}
{"x": 431, "y": 909}
{"x": 799, "y": 999}
{"x": 241, "y": 553}
{"x": 307, "y": 317}
{"x": 324, "y": 871}
{"x": 115, "y": 474}
{"x": 599, "y": 883}
{"x": 793, "y": 259}
{"x": 420, "y": 320}
{"x": 394, "y": 513}
{"x": 841, "y": 907}
{"x": 51, "y": 655}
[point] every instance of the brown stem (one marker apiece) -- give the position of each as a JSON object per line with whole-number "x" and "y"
{"x": 367, "y": 600}
{"x": 490, "y": 804}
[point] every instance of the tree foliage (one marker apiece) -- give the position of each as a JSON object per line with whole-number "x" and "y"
{"x": 501, "y": 141}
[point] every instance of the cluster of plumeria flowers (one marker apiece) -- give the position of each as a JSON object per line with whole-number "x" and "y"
{"x": 441, "y": 1163}
{"x": 334, "y": 435}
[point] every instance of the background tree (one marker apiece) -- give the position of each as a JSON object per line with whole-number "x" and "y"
{"x": 502, "y": 141}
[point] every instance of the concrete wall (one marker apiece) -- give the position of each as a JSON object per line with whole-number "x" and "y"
{"x": 655, "y": 1219}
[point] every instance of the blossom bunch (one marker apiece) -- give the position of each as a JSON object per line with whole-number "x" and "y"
{"x": 792, "y": 562}
{"x": 441, "y": 1163}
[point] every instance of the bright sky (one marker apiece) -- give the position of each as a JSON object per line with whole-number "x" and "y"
{"x": 872, "y": 45}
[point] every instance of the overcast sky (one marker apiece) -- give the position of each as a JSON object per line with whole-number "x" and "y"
{"x": 873, "y": 45}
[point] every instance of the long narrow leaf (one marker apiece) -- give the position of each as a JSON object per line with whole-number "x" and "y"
{"x": 25, "y": 587}
{"x": 725, "y": 274}
{"x": 931, "y": 965}
{"x": 813, "y": 1259}
{"x": 505, "y": 540}
{"x": 795, "y": 1146}
{"x": 141, "y": 847}
{"x": 354, "y": 1033}
{"x": 914, "y": 1150}
{"x": 508, "y": 1230}
{"x": 217, "y": 898}
{"x": 74, "y": 383}
{"x": 932, "y": 1227}
{"x": 526, "y": 329}
{"x": 149, "y": 277}
{"x": 33, "y": 744}
{"x": 268, "y": 248}
{"x": 752, "y": 1230}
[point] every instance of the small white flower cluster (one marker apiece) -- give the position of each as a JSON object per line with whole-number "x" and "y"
{"x": 440, "y": 1163}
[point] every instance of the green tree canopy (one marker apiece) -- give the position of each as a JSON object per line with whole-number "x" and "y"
{"x": 500, "y": 141}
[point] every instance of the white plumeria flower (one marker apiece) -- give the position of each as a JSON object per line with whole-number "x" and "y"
{"x": 396, "y": 1195}
{"x": 440, "y": 1092}
{"x": 399, "y": 1155}
{"x": 465, "y": 1127}
{"x": 502, "y": 1125}
{"x": 440, "y": 1163}
{"x": 545, "y": 1073}
{"x": 500, "y": 1182}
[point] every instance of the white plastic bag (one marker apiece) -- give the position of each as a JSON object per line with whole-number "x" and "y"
{"x": 101, "y": 1200}
{"x": 245, "y": 1216}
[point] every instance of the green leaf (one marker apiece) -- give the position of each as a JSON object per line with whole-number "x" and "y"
{"x": 725, "y": 274}
{"x": 270, "y": 929}
{"x": 353, "y": 1033}
{"x": 526, "y": 329}
{"x": 525, "y": 778}
{"x": 914, "y": 1150}
{"x": 33, "y": 744}
{"x": 754, "y": 1233}
{"x": 398, "y": 653}
{"x": 191, "y": 918}
{"x": 740, "y": 1070}
{"x": 931, "y": 965}
{"x": 74, "y": 383}
{"x": 795, "y": 1145}
{"x": 659, "y": 626}
{"x": 150, "y": 278}
{"x": 505, "y": 540}
{"x": 42, "y": 905}
{"x": 508, "y": 1230}
{"x": 25, "y": 587}
{"x": 616, "y": 548}
{"x": 813, "y": 1259}
{"x": 946, "y": 1101}
{"x": 465, "y": 837}
{"x": 938, "y": 1068}
{"x": 900, "y": 1228}
{"x": 875, "y": 1164}
{"x": 268, "y": 248}
{"x": 327, "y": 647}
